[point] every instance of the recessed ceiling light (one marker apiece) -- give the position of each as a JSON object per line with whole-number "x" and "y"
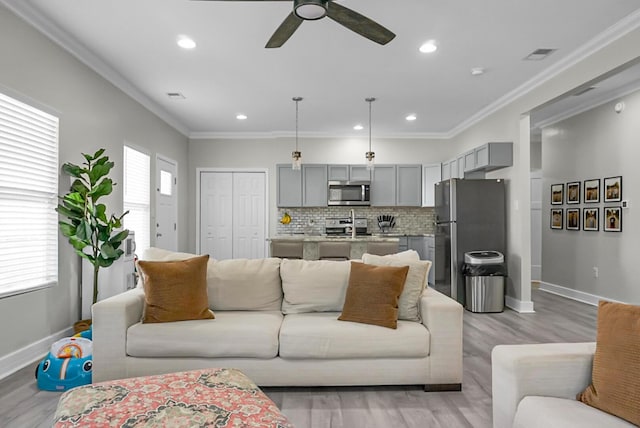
{"x": 358, "y": 127}
{"x": 429, "y": 46}
{"x": 411, "y": 117}
{"x": 186, "y": 42}
{"x": 241, "y": 116}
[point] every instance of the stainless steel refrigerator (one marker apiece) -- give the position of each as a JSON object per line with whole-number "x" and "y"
{"x": 470, "y": 216}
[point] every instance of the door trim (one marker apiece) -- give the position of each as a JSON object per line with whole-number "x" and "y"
{"x": 155, "y": 195}
{"x": 265, "y": 171}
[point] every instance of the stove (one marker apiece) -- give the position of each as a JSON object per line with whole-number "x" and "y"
{"x": 343, "y": 226}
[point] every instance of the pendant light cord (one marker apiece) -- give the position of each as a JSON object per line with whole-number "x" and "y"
{"x": 297, "y": 100}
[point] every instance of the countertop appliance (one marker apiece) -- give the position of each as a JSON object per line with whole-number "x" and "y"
{"x": 343, "y": 226}
{"x": 470, "y": 215}
{"x": 349, "y": 193}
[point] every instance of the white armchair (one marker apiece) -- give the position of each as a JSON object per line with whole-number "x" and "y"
{"x": 536, "y": 386}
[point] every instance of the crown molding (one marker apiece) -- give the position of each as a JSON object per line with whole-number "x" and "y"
{"x": 622, "y": 91}
{"x": 47, "y": 27}
{"x": 311, "y": 135}
{"x": 619, "y": 29}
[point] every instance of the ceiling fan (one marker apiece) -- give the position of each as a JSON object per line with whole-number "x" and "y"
{"x": 312, "y": 10}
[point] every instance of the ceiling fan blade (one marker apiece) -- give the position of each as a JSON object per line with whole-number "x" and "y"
{"x": 359, "y": 23}
{"x": 284, "y": 31}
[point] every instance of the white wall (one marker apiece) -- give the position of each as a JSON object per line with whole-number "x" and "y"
{"x": 595, "y": 144}
{"x": 265, "y": 154}
{"x": 93, "y": 114}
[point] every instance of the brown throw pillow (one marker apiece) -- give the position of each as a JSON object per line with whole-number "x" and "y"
{"x": 372, "y": 294}
{"x": 175, "y": 290}
{"x": 615, "y": 380}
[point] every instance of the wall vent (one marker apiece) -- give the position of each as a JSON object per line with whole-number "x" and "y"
{"x": 539, "y": 54}
{"x": 175, "y": 96}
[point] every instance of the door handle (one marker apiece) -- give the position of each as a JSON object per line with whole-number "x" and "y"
{"x": 158, "y": 235}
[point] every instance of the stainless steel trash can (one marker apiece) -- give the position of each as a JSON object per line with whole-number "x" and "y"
{"x": 484, "y": 273}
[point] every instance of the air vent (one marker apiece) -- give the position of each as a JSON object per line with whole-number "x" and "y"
{"x": 539, "y": 54}
{"x": 584, "y": 91}
{"x": 175, "y": 95}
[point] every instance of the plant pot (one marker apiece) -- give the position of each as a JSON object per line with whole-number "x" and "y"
{"x": 82, "y": 325}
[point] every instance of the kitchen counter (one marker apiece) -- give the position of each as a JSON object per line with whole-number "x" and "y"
{"x": 358, "y": 244}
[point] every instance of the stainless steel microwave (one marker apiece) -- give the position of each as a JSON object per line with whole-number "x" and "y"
{"x": 349, "y": 193}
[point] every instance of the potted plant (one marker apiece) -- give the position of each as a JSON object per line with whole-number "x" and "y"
{"x": 93, "y": 235}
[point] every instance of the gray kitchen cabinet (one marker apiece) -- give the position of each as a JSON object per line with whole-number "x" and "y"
{"x": 431, "y": 255}
{"x": 409, "y": 185}
{"x": 446, "y": 170}
{"x": 460, "y": 165}
{"x": 431, "y": 174}
{"x": 492, "y": 156}
{"x": 425, "y": 246}
{"x": 403, "y": 243}
{"x": 383, "y": 186}
{"x": 417, "y": 243}
{"x": 289, "y": 186}
{"x": 469, "y": 160}
{"x": 348, "y": 173}
{"x": 314, "y": 185}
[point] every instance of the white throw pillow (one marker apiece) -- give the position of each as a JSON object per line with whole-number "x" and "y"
{"x": 245, "y": 285}
{"x": 314, "y": 285}
{"x": 408, "y": 304}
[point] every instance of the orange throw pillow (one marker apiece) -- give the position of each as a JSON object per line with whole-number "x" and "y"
{"x": 373, "y": 293}
{"x": 615, "y": 380}
{"x": 175, "y": 290}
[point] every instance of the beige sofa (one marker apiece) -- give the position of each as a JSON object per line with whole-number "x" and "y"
{"x": 535, "y": 386}
{"x": 276, "y": 320}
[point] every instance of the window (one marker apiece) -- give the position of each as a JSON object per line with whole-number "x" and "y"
{"x": 137, "y": 182}
{"x": 28, "y": 198}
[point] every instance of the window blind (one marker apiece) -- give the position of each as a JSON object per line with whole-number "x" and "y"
{"x": 136, "y": 197}
{"x": 28, "y": 198}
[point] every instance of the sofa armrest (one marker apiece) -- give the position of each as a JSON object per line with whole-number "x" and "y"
{"x": 443, "y": 318}
{"x": 551, "y": 369}
{"x": 111, "y": 319}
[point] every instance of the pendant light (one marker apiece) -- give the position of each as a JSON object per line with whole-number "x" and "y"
{"x": 296, "y": 155}
{"x": 370, "y": 155}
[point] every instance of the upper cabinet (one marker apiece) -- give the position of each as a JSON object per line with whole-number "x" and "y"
{"x": 289, "y": 189}
{"x": 474, "y": 163}
{"x": 348, "y": 173}
{"x": 431, "y": 174}
{"x": 409, "y": 185}
{"x": 314, "y": 185}
{"x": 383, "y": 186}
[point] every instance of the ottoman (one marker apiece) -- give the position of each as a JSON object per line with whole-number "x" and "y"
{"x": 212, "y": 398}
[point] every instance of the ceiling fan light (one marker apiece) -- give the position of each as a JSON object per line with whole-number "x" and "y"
{"x": 310, "y": 10}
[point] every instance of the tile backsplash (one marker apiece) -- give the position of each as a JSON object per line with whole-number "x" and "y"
{"x": 409, "y": 220}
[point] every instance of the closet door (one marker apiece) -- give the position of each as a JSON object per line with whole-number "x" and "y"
{"x": 249, "y": 234}
{"x": 216, "y": 214}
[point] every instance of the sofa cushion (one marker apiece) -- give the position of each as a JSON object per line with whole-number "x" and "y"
{"x": 546, "y": 412}
{"x": 417, "y": 277}
{"x": 245, "y": 285}
{"x": 154, "y": 254}
{"x": 233, "y": 334}
{"x": 615, "y": 386}
{"x": 175, "y": 290}
{"x": 320, "y": 335}
{"x": 373, "y": 293}
{"x": 313, "y": 285}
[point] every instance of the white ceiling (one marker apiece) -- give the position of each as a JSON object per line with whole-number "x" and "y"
{"x": 133, "y": 43}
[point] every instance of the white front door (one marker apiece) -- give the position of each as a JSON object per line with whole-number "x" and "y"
{"x": 166, "y": 204}
{"x": 232, "y": 214}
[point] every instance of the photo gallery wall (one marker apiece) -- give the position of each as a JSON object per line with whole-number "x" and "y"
{"x": 587, "y": 192}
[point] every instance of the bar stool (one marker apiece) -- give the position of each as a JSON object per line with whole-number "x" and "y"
{"x": 328, "y": 250}
{"x": 287, "y": 249}
{"x": 382, "y": 248}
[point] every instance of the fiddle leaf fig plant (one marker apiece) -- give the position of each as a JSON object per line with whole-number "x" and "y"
{"x": 93, "y": 235}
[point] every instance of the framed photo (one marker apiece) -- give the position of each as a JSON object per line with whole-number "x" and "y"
{"x": 613, "y": 189}
{"x": 591, "y": 191}
{"x": 556, "y": 218}
{"x": 573, "y": 192}
{"x": 557, "y": 194}
{"x": 573, "y": 218}
{"x": 590, "y": 220}
{"x": 612, "y": 219}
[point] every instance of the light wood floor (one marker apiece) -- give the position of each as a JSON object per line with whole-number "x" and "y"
{"x": 556, "y": 319}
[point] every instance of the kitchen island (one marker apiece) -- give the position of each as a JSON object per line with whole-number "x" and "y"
{"x": 310, "y": 243}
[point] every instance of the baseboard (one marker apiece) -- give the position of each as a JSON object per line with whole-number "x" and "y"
{"x": 519, "y": 305}
{"x": 570, "y": 293}
{"x": 16, "y": 360}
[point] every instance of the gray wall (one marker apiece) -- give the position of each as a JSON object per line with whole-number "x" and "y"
{"x": 595, "y": 144}
{"x": 265, "y": 154}
{"x": 93, "y": 114}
